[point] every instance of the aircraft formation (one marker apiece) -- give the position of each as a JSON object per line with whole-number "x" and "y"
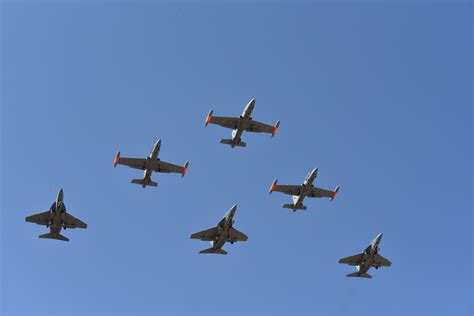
{"x": 57, "y": 217}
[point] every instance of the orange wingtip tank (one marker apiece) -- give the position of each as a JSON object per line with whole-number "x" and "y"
{"x": 117, "y": 159}
{"x": 272, "y": 188}
{"x": 334, "y": 193}
{"x": 185, "y": 168}
{"x": 209, "y": 116}
{"x": 275, "y": 128}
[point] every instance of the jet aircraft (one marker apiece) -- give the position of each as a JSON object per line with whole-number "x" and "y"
{"x": 367, "y": 259}
{"x": 224, "y": 231}
{"x": 306, "y": 189}
{"x": 56, "y": 219}
{"x": 150, "y": 164}
{"x": 241, "y": 124}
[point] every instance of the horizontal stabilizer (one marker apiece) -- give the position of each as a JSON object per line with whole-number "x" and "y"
{"x": 214, "y": 250}
{"x": 292, "y": 206}
{"x": 359, "y": 275}
{"x": 144, "y": 183}
{"x": 229, "y": 142}
{"x": 51, "y": 236}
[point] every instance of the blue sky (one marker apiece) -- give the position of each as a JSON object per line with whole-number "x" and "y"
{"x": 379, "y": 96}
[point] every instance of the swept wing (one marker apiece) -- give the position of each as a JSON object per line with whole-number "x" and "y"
{"x": 73, "y": 222}
{"x": 40, "y": 218}
{"x": 353, "y": 260}
{"x": 380, "y": 261}
{"x": 207, "y": 235}
{"x": 235, "y": 235}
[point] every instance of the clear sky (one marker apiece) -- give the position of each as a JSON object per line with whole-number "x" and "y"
{"x": 379, "y": 96}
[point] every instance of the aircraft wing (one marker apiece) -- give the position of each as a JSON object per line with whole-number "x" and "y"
{"x": 235, "y": 235}
{"x": 228, "y": 122}
{"x": 167, "y": 167}
{"x": 72, "y": 222}
{"x": 207, "y": 235}
{"x": 40, "y": 218}
{"x": 137, "y": 163}
{"x": 380, "y": 261}
{"x": 258, "y": 127}
{"x": 319, "y": 193}
{"x": 287, "y": 189}
{"x": 353, "y": 260}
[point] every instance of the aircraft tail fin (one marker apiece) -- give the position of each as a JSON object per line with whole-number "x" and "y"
{"x": 144, "y": 183}
{"x": 51, "y": 236}
{"x": 292, "y": 207}
{"x": 214, "y": 250}
{"x": 359, "y": 275}
{"x": 229, "y": 142}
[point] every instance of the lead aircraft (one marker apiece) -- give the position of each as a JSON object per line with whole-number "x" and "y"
{"x": 245, "y": 122}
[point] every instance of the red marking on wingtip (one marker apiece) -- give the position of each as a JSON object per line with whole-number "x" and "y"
{"x": 184, "y": 170}
{"x": 116, "y": 161}
{"x": 272, "y": 188}
{"x": 275, "y": 130}
{"x": 208, "y": 119}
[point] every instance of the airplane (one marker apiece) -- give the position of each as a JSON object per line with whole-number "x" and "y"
{"x": 150, "y": 164}
{"x": 224, "y": 231}
{"x": 369, "y": 258}
{"x": 241, "y": 124}
{"x": 56, "y": 219}
{"x": 306, "y": 189}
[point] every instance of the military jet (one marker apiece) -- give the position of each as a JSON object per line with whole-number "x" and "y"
{"x": 241, "y": 124}
{"x": 369, "y": 258}
{"x": 306, "y": 189}
{"x": 150, "y": 164}
{"x": 56, "y": 219}
{"x": 223, "y": 232}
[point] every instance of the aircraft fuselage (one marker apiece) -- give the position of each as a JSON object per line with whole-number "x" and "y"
{"x": 152, "y": 161}
{"x": 369, "y": 255}
{"x": 223, "y": 228}
{"x": 306, "y": 188}
{"x": 243, "y": 122}
{"x": 57, "y": 214}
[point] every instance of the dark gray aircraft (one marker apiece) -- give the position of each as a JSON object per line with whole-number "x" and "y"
{"x": 306, "y": 189}
{"x": 241, "y": 124}
{"x": 56, "y": 219}
{"x": 150, "y": 164}
{"x": 369, "y": 258}
{"x": 223, "y": 232}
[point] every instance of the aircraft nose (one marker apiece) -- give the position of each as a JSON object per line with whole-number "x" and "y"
{"x": 379, "y": 236}
{"x": 60, "y": 195}
{"x": 232, "y": 210}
